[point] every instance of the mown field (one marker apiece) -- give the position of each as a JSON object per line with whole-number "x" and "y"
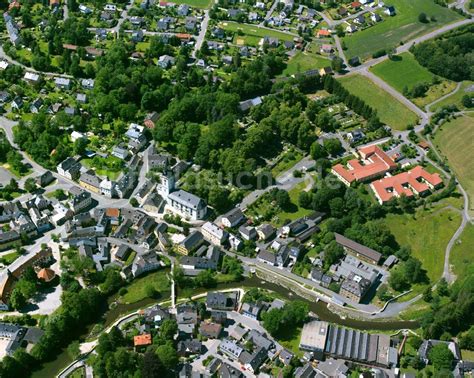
{"x": 390, "y": 110}
{"x": 428, "y": 233}
{"x": 402, "y": 27}
{"x": 405, "y": 72}
{"x": 402, "y": 71}
{"x": 462, "y": 254}
{"x": 455, "y": 140}
{"x": 156, "y": 283}
{"x": 303, "y": 61}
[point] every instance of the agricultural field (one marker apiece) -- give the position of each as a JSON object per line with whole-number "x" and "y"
{"x": 390, "y": 110}
{"x": 413, "y": 74}
{"x": 252, "y": 34}
{"x": 467, "y": 88}
{"x": 404, "y": 26}
{"x": 428, "y": 233}
{"x": 455, "y": 140}
{"x": 462, "y": 254}
{"x": 304, "y": 61}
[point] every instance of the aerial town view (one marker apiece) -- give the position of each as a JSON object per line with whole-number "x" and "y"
{"x": 237, "y": 188}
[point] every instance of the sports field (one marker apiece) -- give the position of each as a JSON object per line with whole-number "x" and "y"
{"x": 404, "y": 26}
{"x": 390, "y": 111}
{"x": 303, "y": 61}
{"x": 455, "y": 140}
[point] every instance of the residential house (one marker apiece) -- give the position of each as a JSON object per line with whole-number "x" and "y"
{"x": 36, "y": 105}
{"x": 265, "y": 231}
{"x": 251, "y": 310}
{"x": 87, "y": 83}
{"x": 213, "y": 233}
{"x": 17, "y": 103}
{"x": 248, "y": 232}
{"x": 187, "y": 205}
{"x": 45, "y": 179}
{"x": 375, "y": 17}
{"x": 120, "y": 151}
{"x": 145, "y": 263}
{"x": 222, "y": 301}
{"x": 206, "y": 258}
{"x": 165, "y": 61}
{"x": 125, "y": 184}
{"x": 210, "y": 330}
{"x": 69, "y": 168}
{"x": 189, "y": 347}
{"x": 190, "y": 243}
{"x": 62, "y": 83}
{"x": 230, "y": 348}
{"x": 233, "y": 218}
{"x": 90, "y": 181}
{"x": 390, "y": 11}
{"x": 80, "y": 202}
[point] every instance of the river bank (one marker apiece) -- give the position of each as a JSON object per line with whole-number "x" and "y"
{"x": 117, "y": 310}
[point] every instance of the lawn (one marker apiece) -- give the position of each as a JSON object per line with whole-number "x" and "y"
{"x": 455, "y": 98}
{"x": 404, "y": 26}
{"x": 8, "y": 258}
{"x": 297, "y": 211}
{"x": 427, "y": 232}
{"x": 404, "y": 71}
{"x": 462, "y": 254}
{"x": 390, "y": 110}
{"x": 106, "y": 167}
{"x": 303, "y": 61}
{"x": 291, "y": 340}
{"x": 140, "y": 287}
{"x": 194, "y": 3}
{"x": 252, "y": 34}
{"x": 455, "y": 140}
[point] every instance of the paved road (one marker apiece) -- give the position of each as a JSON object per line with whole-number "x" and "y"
{"x": 285, "y": 181}
{"x": 202, "y": 33}
{"x": 410, "y": 105}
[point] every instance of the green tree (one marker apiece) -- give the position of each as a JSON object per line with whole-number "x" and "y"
{"x": 441, "y": 357}
{"x": 30, "y": 184}
{"x": 167, "y": 355}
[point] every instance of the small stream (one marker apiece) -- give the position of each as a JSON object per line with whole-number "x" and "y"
{"x": 50, "y": 369}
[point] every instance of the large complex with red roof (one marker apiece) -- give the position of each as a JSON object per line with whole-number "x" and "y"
{"x": 373, "y": 163}
{"x": 415, "y": 181}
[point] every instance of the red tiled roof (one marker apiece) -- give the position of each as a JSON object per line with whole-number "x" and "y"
{"x": 415, "y": 180}
{"x": 142, "y": 340}
{"x": 375, "y": 163}
{"x": 355, "y": 4}
{"x": 112, "y": 212}
{"x": 323, "y": 32}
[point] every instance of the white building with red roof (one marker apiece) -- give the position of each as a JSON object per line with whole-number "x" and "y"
{"x": 373, "y": 163}
{"x": 416, "y": 181}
